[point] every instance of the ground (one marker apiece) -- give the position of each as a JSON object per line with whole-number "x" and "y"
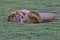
{"x": 18, "y": 31}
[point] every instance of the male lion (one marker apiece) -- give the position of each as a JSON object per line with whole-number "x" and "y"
{"x": 26, "y": 16}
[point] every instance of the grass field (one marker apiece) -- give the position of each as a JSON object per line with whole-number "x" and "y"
{"x": 18, "y": 31}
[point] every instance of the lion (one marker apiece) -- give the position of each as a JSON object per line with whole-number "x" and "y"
{"x": 26, "y": 16}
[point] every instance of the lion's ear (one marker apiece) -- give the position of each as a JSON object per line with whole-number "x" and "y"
{"x": 9, "y": 18}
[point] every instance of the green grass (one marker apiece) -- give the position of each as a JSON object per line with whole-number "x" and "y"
{"x": 18, "y": 31}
